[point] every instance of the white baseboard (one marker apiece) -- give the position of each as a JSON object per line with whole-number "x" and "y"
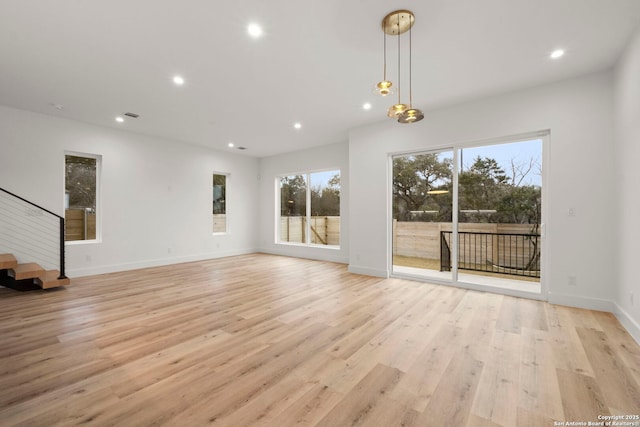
{"x": 627, "y": 322}
{"x": 581, "y": 302}
{"x": 113, "y": 268}
{"x": 366, "y": 271}
{"x": 305, "y": 252}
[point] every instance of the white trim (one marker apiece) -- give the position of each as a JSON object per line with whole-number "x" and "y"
{"x": 519, "y": 137}
{"x": 580, "y": 302}
{"x": 472, "y": 286}
{"x": 627, "y": 322}
{"x": 366, "y": 271}
{"x": 307, "y": 252}
{"x": 114, "y": 268}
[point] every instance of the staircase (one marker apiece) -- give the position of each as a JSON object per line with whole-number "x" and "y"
{"x": 28, "y": 276}
{"x": 29, "y": 232}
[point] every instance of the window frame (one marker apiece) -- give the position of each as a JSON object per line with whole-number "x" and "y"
{"x": 278, "y": 211}
{"x": 226, "y": 202}
{"x": 98, "y": 195}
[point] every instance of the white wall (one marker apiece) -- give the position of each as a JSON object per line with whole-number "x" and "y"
{"x": 581, "y": 172}
{"x": 334, "y": 156}
{"x": 155, "y": 193}
{"x": 627, "y": 114}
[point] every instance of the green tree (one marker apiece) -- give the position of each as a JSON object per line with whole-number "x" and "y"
{"x": 293, "y": 196}
{"x": 80, "y": 181}
{"x": 521, "y": 205}
{"x": 480, "y": 188}
{"x": 414, "y": 178}
{"x": 325, "y": 200}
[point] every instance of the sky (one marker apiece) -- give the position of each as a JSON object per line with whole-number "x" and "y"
{"x": 520, "y": 152}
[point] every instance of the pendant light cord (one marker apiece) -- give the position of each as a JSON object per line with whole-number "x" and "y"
{"x": 384, "y": 43}
{"x": 398, "y": 35}
{"x": 410, "y": 79}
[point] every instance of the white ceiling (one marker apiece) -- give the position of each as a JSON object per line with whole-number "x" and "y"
{"x": 316, "y": 63}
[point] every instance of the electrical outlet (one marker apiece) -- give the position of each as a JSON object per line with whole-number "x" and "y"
{"x": 87, "y": 258}
{"x": 572, "y": 212}
{"x": 631, "y": 298}
{"x": 573, "y": 281}
{"x": 168, "y": 250}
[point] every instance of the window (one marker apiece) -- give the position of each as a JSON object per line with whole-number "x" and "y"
{"x": 81, "y": 197}
{"x": 219, "y": 203}
{"x": 310, "y": 208}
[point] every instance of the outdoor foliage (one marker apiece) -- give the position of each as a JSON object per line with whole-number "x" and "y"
{"x": 325, "y": 199}
{"x": 413, "y": 178}
{"x": 423, "y": 188}
{"x": 293, "y": 195}
{"x": 80, "y": 181}
{"x": 219, "y": 194}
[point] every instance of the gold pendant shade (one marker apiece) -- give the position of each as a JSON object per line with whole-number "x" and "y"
{"x": 395, "y": 24}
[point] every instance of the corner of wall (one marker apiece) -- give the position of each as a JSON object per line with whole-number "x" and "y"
{"x": 366, "y": 271}
{"x": 627, "y": 322}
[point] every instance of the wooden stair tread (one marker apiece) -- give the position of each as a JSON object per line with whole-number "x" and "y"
{"x": 7, "y": 261}
{"x": 29, "y": 270}
{"x": 50, "y": 280}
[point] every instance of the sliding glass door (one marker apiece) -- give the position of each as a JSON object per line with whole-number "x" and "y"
{"x": 422, "y": 213}
{"x": 470, "y": 215}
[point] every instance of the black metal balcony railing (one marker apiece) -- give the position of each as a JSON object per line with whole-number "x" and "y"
{"x": 502, "y": 253}
{"x": 31, "y": 232}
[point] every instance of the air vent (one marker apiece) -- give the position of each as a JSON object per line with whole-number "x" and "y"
{"x": 242, "y": 148}
{"x": 133, "y": 115}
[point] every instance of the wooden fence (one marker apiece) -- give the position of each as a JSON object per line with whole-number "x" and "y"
{"x": 325, "y": 230}
{"x": 422, "y": 239}
{"x": 219, "y": 223}
{"x": 79, "y": 225}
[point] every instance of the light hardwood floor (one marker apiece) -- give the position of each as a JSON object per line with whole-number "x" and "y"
{"x": 276, "y": 341}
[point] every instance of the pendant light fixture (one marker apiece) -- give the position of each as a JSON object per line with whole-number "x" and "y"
{"x": 384, "y": 87}
{"x": 410, "y": 115}
{"x": 395, "y": 24}
{"x": 399, "y": 108}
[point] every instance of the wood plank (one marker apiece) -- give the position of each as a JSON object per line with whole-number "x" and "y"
{"x": 268, "y": 340}
{"x": 29, "y": 270}
{"x": 310, "y": 408}
{"x": 452, "y": 399}
{"x": 50, "y": 279}
{"x": 539, "y": 391}
{"x": 582, "y": 399}
{"x": 500, "y": 380}
{"x": 569, "y": 353}
{"x": 623, "y": 343}
{"x": 359, "y": 406}
{"x": 623, "y": 392}
{"x": 7, "y": 261}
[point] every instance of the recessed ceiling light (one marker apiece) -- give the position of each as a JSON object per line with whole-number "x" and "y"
{"x": 178, "y": 80}
{"x": 254, "y": 30}
{"x": 556, "y": 54}
{"x": 230, "y": 145}
{"x": 366, "y": 106}
{"x": 119, "y": 119}
{"x": 297, "y": 125}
